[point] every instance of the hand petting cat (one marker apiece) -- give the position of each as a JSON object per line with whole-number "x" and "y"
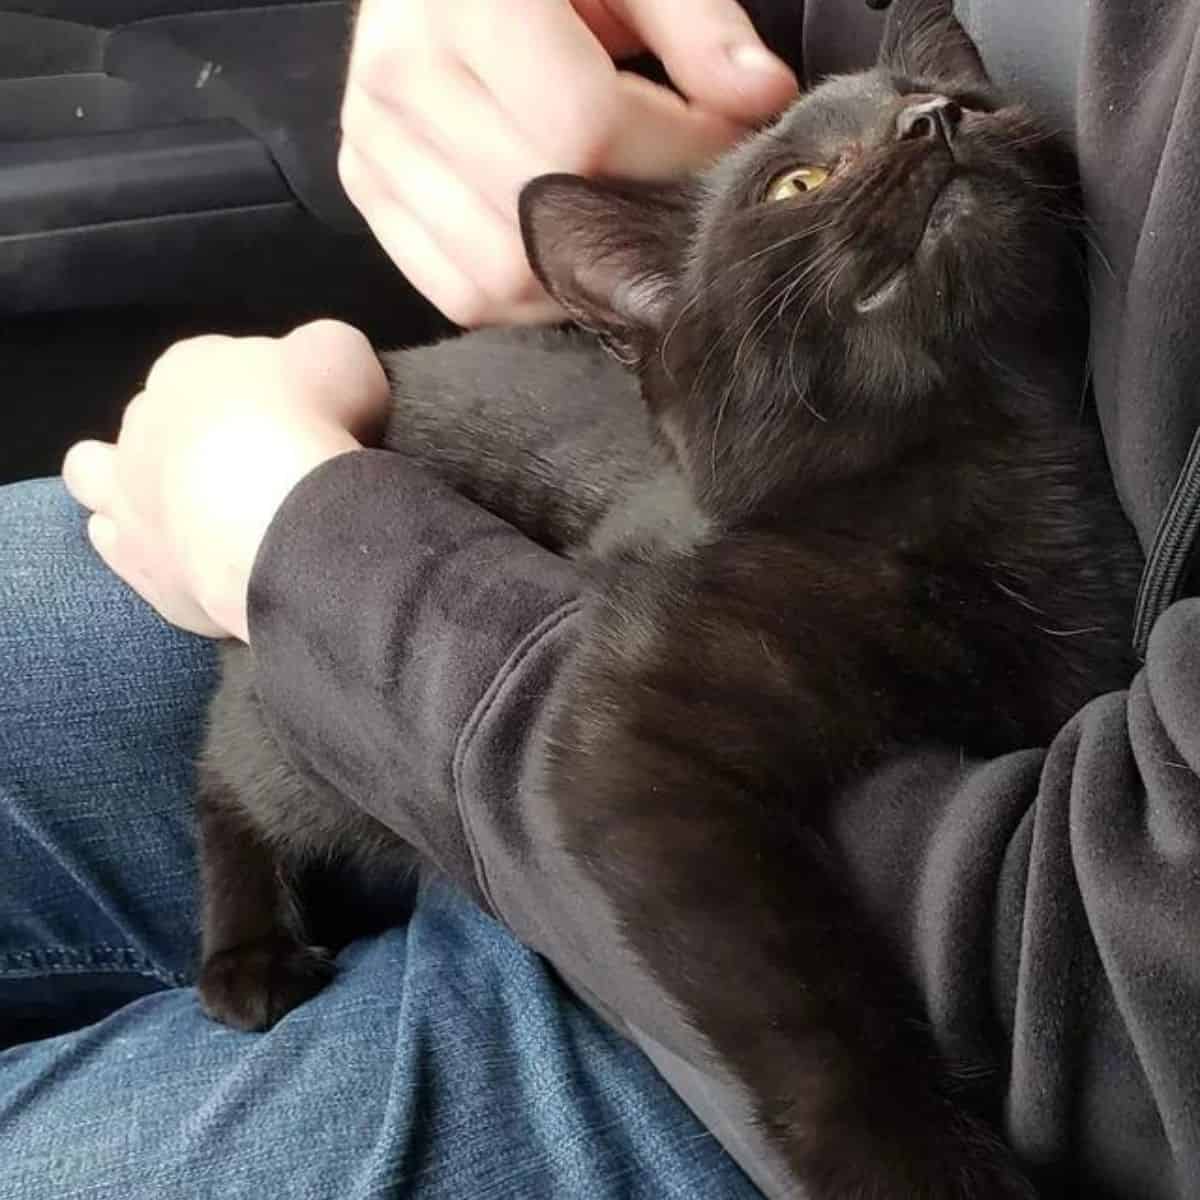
{"x": 207, "y": 452}
{"x": 452, "y": 106}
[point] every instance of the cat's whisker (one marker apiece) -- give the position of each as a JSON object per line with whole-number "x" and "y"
{"x": 1085, "y": 384}
{"x": 799, "y": 268}
{"x": 662, "y": 350}
{"x": 793, "y": 279}
{"x": 793, "y": 282}
{"x": 733, "y": 269}
{"x": 720, "y": 340}
{"x": 1088, "y": 230}
{"x": 775, "y": 288}
{"x": 725, "y": 398}
{"x": 800, "y": 392}
{"x": 1094, "y": 243}
{"x": 797, "y": 288}
{"x": 1019, "y": 597}
{"x": 797, "y": 281}
{"x": 816, "y": 291}
{"x": 833, "y": 278}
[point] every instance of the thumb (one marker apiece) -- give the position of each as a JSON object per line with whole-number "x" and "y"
{"x": 713, "y": 54}
{"x": 659, "y": 136}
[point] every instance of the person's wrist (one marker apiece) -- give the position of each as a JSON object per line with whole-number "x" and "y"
{"x": 224, "y": 568}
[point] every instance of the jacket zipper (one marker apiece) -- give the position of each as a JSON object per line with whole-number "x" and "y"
{"x": 1166, "y": 567}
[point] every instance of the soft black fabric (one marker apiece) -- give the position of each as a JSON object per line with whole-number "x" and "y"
{"x": 1048, "y": 903}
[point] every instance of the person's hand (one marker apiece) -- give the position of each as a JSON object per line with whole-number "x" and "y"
{"x": 207, "y": 453}
{"x": 451, "y": 106}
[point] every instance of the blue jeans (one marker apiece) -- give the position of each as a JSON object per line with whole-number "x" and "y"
{"x": 444, "y": 1061}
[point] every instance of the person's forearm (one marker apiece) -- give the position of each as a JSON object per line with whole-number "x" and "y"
{"x": 389, "y": 619}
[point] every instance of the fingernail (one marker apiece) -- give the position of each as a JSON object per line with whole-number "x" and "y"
{"x": 750, "y": 56}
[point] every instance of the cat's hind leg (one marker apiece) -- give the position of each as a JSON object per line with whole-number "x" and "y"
{"x": 257, "y": 966}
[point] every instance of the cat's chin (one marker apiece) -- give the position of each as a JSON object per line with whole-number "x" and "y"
{"x": 954, "y": 201}
{"x": 880, "y": 297}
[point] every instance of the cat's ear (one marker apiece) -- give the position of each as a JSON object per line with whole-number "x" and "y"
{"x": 609, "y": 252}
{"x": 923, "y": 39}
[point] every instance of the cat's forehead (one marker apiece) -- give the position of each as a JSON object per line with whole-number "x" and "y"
{"x": 843, "y": 110}
{"x": 842, "y": 107}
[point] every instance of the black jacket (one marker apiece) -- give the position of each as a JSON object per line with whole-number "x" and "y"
{"x": 1047, "y": 903}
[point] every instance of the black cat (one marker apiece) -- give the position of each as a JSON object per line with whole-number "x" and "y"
{"x": 866, "y": 513}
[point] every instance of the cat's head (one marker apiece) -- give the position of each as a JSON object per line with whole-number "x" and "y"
{"x": 803, "y": 307}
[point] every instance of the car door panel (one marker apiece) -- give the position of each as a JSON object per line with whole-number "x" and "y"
{"x": 159, "y": 152}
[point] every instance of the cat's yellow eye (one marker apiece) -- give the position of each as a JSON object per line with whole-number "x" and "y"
{"x": 795, "y": 183}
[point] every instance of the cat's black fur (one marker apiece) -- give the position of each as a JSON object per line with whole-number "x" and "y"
{"x": 867, "y": 514}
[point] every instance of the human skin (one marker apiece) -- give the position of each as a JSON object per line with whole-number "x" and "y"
{"x": 209, "y": 450}
{"x": 451, "y": 106}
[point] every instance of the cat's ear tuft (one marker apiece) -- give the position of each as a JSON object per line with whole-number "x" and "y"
{"x": 923, "y": 39}
{"x": 609, "y": 252}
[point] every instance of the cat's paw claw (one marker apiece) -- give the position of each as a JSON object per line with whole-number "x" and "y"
{"x": 250, "y": 987}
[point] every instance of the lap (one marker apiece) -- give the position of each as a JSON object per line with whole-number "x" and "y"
{"x": 442, "y": 1062}
{"x": 445, "y": 1060}
{"x": 100, "y": 713}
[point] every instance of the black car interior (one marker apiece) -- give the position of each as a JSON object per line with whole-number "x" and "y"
{"x": 168, "y": 167}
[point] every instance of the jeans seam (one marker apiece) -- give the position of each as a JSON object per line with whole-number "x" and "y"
{"x": 99, "y": 958}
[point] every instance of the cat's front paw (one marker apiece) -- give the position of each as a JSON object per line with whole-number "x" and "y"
{"x": 252, "y": 986}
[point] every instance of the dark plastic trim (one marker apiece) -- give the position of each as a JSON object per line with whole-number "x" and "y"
{"x": 87, "y": 103}
{"x": 186, "y": 257}
{"x": 88, "y": 180}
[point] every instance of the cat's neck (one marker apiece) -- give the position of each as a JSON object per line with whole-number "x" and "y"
{"x": 765, "y": 447}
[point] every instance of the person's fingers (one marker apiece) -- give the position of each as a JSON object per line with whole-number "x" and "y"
{"x": 441, "y": 131}
{"x": 660, "y": 135}
{"x": 88, "y": 474}
{"x": 540, "y": 311}
{"x": 482, "y": 143}
{"x": 611, "y": 31}
{"x": 555, "y": 81}
{"x": 114, "y": 546}
{"x": 713, "y": 54}
{"x": 177, "y": 363}
{"x": 409, "y": 244}
{"x": 406, "y": 242}
{"x": 462, "y": 253}
{"x": 105, "y": 535}
{"x": 137, "y": 462}
{"x": 122, "y": 556}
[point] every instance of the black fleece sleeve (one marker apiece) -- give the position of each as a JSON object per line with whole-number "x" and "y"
{"x": 395, "y": 628}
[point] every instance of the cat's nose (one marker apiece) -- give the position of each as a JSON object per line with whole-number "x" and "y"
{"x": 929, "y": 117}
